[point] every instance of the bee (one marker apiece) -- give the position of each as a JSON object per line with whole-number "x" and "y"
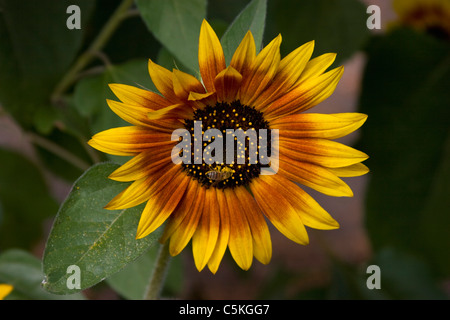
{"x": 219, "y": 174}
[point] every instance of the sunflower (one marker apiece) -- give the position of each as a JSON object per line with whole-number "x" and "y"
{"x": 430, "y": 16}
{"x": 5, "y": 289}
{"x": 225, "y": 205}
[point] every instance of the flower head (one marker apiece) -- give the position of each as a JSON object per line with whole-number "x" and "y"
{"x": 223, "y": 203}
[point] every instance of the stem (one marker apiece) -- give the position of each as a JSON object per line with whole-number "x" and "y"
{"x": 57, "y": 150}
{"x": 96, "y": 46}
{"x": 159, "y": 273}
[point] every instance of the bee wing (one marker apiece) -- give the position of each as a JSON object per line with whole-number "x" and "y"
{"x": 212, "y": 175}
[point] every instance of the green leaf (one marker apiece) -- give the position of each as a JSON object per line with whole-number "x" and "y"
{"x": 176, "y": 24}
{"x": 23, "y": 271}
{"x": 336, "y": 26}
{"x": 405, "y": 94}
{"x": 131, "y": 282}
{"x": 252, "y": 18}
{"x": 168, "y": 61}
{"x": 25, "y": 200}
{"x": 91, "y": 93}
{"x": 100, "y": 242}
{"x": 37, "y": 48}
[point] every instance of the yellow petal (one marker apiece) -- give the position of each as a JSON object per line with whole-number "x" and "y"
{"x": 122, "y": 152}
{"x": 354, "y": 170}
{"x": 141, "y": 190}
{"x": 227, "y": 84}
{"x": 244, "y": 55}
{"x": 161, "y": 205}
{"x": 184, "y": 208}
{"x": 5, "y": 289}
{"x": 279, "y": 207}
{"x": 163, "y": 81}
{"x": 306, "y": 95}
{"x": 135, "y": 194}
{"x": 183, "y": 234}
{"x": 176, "y": 111}
{"x": 138, "y": 97}
{"x": 143, "y": 165}
{"x": 132, "y": 113}
{"x": 224, "y": 233}
{"x": 309, "y": 211}
{"x": 314, "y": 125}
{"x": 240, "y": 242}
{"x": 164, "y": 125}
{"x": 313, "y": 176}
{"x": 128, "y": 141}
{"x": 296, "y": 60}
{"x": 317, "y": 66}
{"x": 260, "y": 72}
{"x": 289, "y": 70}
{"x": 211, "y": 59}
{"x": 323, "y": 152}
{"x": 201, "y": 100}
{"x": 184, "y": 83}
{"x": 205, "y": 237}
{"x": 138, "y": 116}
{"x": 262, "y": 244}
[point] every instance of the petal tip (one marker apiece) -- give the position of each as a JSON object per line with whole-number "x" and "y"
{"x": 364, "y": 117}
{"x": 141, "y": 233}
{"x": 279, "y": 39}
{"x": 138, "y": 236}
{"x": 213, "y": 271}
{"x": 112, "y": 86}
{"x": 109, "y": 207}
{"x": 311, "y": 43}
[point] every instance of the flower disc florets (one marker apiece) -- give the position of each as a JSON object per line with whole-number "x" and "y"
{"x": 227, "y": 118}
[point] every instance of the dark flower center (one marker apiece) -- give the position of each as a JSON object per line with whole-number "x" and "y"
{"x": 239, "y": 161}
{"x": 432, "y": 18}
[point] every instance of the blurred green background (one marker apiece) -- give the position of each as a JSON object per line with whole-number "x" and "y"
{"x": 399, "y": 218}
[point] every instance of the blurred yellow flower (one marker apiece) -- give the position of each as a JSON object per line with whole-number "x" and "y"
{"x": 431, "y": 16}
{"x": 5, "y": 289}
